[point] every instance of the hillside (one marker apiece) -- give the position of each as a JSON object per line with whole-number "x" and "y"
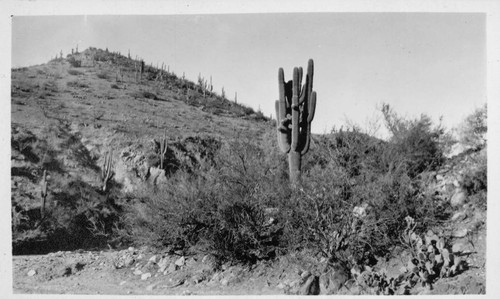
{"x": 67, "y": 114}
{"x": 197, "y": 199}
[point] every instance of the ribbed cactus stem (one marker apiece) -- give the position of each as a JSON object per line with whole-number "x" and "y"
{"x": 43, "y": 192}
{"x": 294, "y": 114}
{"x": 107, "y": 170}
{"x": 163, "y": 149}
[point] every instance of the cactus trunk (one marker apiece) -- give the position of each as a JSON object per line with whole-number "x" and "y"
{"x": 294, "y": 165}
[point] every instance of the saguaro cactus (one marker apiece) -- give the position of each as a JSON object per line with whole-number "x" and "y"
{"x": 107, "y": 170}
{"x": 163, "y": 149}
{"x": 294, "y": 113}
{"x": 43, "y": 192}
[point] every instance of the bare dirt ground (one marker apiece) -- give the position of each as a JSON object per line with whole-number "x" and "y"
{"x": 125, "y": 272}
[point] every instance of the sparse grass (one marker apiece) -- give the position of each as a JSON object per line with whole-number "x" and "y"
{"x": 77, "y": 84}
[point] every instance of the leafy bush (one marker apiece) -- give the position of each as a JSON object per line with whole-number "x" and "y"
{"x": 73, "y": 62}
{"x": 472, "y": 131}
{"x": 219, "y": 209}
{"x": 415, "y": 143}
{"x": 353, "y": 201}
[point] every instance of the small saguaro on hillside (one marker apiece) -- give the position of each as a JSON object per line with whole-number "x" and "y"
{"x": 294, "y": 113}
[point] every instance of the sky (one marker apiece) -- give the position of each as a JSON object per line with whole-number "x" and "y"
{"x": 432, "y": 63}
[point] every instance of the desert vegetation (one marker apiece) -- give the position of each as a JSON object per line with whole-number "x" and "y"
{"x": 351, "y": 203}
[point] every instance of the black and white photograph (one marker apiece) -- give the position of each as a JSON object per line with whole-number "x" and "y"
{"x": 177, "y": 148}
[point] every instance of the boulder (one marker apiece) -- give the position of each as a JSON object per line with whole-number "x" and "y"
{"x": 458, "y": 198}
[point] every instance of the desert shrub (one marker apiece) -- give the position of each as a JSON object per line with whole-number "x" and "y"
{"x": 74, "y": 72}
{"x": 74, "y": 62}
{"x": 354, "y": 198}
{"x": 77, "y": 84}
{"x": 416, "y": 143}
{"x": 472, "y": 131}
{"x": 220, "y": 209}
{"x": 475, "y": 179}
{"x": 103, "y": 75}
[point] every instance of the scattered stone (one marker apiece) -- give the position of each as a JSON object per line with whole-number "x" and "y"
{"x": 31, "y": 272}
{"x": 439, "y": 177}
{"x": 132, "y": 249}
{"x": 311, "y": 287}
{"x": 460, "y": 233}
{"x": 456, "y": 183}
{"x": 163, "y": 264}
{"x": 458, "y": 198}
{"x": 457, "y": 247}
{"x": 181, "y": 261}
{"x": 145, "y": 276}
{"x": 224, "y": 282}
{"x": 197, "y": 279}
{"x": 128, "y": 261}
{"x": 459, "y": 216}
{"x": 171, "y": 268}
{"x": 137, "y": 272}
{"x": 152, "y": 259}
{"x": 123, "y": 282}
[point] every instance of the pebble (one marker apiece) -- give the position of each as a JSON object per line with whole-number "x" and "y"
{"x": 123, "y": 282}
{"x": 145, "y": 276}
{"x": 137, "y": 272}
{"x": 153, "y": 259}
{"x": 181, "y": 261}
{"x": 458, "y": 216}
{"x": 460, "y": 233}
{"x": 31, "y": 272}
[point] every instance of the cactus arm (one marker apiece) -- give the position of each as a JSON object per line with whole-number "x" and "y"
{"x": 281, "y": 115}
{"x": 43, "y": 192}
{"x": 163, "y": 149}
{"x": 312, "y": 108}
{"x": 295, "y": 110}
{"x": 106, "y": 171}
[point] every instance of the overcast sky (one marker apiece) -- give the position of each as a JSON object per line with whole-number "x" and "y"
{"x": 433, "y": 63}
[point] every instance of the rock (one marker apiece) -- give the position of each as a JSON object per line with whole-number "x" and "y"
{"x": 460, "y": 233}
{"x": 123, "y": 282}
{"x": 145, "y": 276}
{"x": 157, "y": 176}
{"x": 456, "y": 183}
{"x": 439, "y": 177}
{"x": 197, "y": 279}
{"x": 171, "y": 268}
{"x": 333, "y": 278}
{"x": 128, "y": 261}
{"x": 150, "y": 287}
{"x": 459, "y": 216}
{"x": 311, "y": 287}
{"x": 163, "y": 264}
{"x": 180, "y": 261}
{"x": 458, "y": 198}
{"x": 152, "y": 259}
{"x": 31, "y": 272}
{"x": 131, "y": 249}
{"x": 224, "y": 282}
{"x": 457, "y": 247}
{"x": 137, "y": 272}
